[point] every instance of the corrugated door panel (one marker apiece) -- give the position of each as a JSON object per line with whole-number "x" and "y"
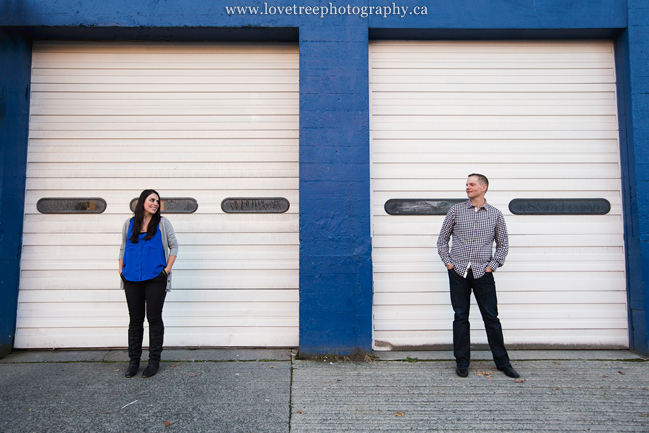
{"x": 540, "y": 120}
{"x": 200, "y": 120}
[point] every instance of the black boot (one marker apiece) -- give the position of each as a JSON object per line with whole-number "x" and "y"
{"x": 134, "y": 350}
{"x": 133, "y": 366}
{"x": 156, "y": 338}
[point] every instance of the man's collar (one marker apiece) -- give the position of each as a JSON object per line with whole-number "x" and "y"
{"x": 470, "y": 205}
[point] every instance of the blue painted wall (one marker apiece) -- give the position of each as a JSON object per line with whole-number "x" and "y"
{"x": 335, "y": 248}
{"x": 441, "y": 14}
{"x": 335, "y": 242}
{"x": 635, "y": 295}
{"x": 633, "y": 101}
{"x": 15, "y": 68}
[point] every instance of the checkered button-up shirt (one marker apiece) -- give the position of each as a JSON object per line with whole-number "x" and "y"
{"x": 473, "y": 234}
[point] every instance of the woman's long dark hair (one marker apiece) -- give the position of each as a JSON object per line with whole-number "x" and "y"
{"x": 139, "y": 217}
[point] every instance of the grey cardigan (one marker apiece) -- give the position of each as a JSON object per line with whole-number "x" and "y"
{"x": 169, "y": 244}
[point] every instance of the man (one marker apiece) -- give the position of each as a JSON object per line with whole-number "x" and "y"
{"x": 475, "y": 225}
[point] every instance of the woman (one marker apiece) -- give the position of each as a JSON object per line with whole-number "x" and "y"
{"x": 148, "y": 252}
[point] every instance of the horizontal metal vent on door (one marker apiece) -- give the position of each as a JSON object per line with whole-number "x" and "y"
{"x": 559, "y": 206}
{"x": 255, "y": 205}
{"x": 62, "y": 205}
{"x": 420, "y": 206}
{"x": 172, "y": 205}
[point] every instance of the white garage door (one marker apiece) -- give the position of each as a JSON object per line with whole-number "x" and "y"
{"x": 201, "y": 120}
{"x": 539, "y": 119}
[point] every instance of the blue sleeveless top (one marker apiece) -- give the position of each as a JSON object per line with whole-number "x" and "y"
{"x": 145, "y": 259}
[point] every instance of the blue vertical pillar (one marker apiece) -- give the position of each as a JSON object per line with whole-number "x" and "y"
{"x": 632, "y": 57}
{"x": 335, "y": 243}
{"x": 15, "y": 73}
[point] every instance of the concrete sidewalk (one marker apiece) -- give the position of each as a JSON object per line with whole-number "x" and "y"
{"x": 267, "y": 390}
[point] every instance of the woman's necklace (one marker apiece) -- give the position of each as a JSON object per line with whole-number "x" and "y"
{"x": 145, "y": 226}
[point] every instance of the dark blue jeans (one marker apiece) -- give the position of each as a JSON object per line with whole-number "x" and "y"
{"x": 484, "y": 290}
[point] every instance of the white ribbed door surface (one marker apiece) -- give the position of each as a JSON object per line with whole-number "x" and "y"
{"x": 540, "y": 120}
{"x": 200, "y": 120}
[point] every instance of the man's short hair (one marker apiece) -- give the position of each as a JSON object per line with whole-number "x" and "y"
{"x": 482, "y": 178}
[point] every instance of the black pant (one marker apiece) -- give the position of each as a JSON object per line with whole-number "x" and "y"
{"x": 484, "y": 290}
{"x": 145, "y": 296}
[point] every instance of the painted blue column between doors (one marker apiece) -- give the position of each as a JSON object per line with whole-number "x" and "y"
{"x": 15, "y": 73}
{"x": 632, "y": 56}
{"x": 335, "y": 243}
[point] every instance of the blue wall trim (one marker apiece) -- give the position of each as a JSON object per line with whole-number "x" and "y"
{"x": 491, "y": 34}
{"x": 15, "y": 72}
{"x": 248, "y": 34}
{"x": 633, "y": 104}
{"x": 335, "y": 241}
{"x": 441, "y": 14}
{"x": 635, "y": 294}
